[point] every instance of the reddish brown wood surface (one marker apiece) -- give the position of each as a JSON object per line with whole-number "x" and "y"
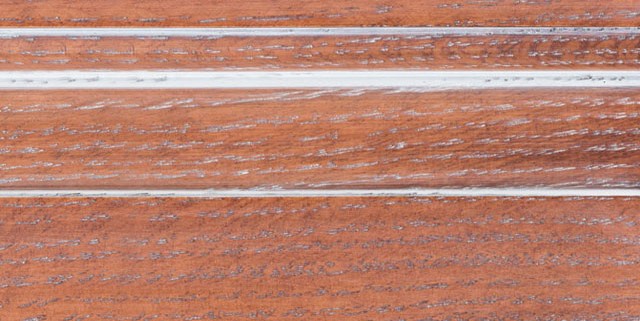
{"x": 262, "y": 13}
{"x": 319, "y": 258}
{"x": 444, "y": 52}
{"x": 320, "y": 138}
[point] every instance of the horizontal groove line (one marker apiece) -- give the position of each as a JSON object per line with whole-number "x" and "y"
{"x": 210, "y": 193}
{"x": 279, "y": 32}
{"x": 429, "y": 80}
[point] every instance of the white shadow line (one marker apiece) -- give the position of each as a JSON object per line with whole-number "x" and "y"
{"x": 211, "y": 193}
{"x": 285, "y": 32}
{"x": 142, "y": 79}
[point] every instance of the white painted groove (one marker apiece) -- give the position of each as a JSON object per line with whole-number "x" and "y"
{"x": 426, "y": 80}
{"x": 283, "y": 32}
{"x": 209, "y": 193}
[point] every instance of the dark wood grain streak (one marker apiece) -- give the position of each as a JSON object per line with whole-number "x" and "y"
{"x": 319, "y": 138}
{"x": 320, "y": 258}
{"x": 446, "y": 52}
{"x": 127, "y": 13}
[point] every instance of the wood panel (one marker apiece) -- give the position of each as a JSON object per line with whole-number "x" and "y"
{"x": 327, "y": 251}
{"x": 319, "y": 258}
{"x": 131, "y": 13}
{"x": 315, "y": 138}
{"x": 437, "y": 52}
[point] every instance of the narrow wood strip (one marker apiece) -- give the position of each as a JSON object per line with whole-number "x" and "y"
{"x": 326, "y": 13}
{"x": 319, "y": 258}
{"x": 218, "y": 32}
{"x": 430, "y": 50}
{"x": 320, "y": 138}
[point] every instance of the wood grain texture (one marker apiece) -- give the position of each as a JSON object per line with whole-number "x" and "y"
{"x": 320, "y": 259}
{"x": 436, "y": 52}
{"x": 123, "y": 13}
{"x": 339, "y": 138}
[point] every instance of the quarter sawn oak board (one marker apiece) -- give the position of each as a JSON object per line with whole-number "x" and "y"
{"x": 319, "y": 258}
{"x": 322, "y": 13}
{"x": 566, "y": 51}
{"x": 333, "y": 138}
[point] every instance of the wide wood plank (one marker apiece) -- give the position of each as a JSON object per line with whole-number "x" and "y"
{"x": 320, "y": 138}
{"x": 569, "y": 50}
{"x": 319, "y": 258}
{"x": 122, "y": 13}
